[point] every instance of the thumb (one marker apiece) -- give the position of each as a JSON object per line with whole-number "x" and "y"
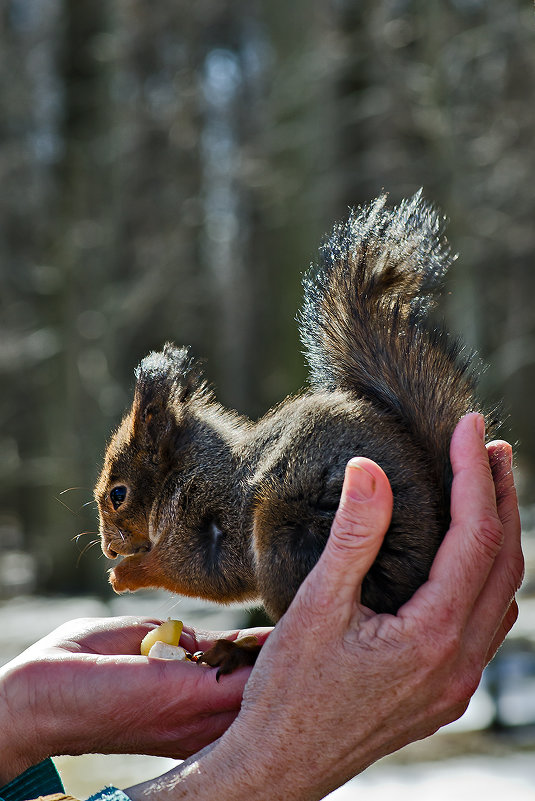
{"x": 357, "y": 532}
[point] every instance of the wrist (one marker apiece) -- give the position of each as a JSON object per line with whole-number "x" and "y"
{"x": 18, "y": 734}
{"x": 258, "y": 768}
{"x": 257, "y": 761}
{"x": 219, "y": 769}
{"x": 234, "y": 768}
{"x": 242, "y": 773}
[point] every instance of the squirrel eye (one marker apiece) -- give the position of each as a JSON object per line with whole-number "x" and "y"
{"x": 117, "y": 496}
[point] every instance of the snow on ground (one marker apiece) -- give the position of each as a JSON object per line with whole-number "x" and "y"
{"x": 464, "y": 779}
{"x": 461, "y": 779}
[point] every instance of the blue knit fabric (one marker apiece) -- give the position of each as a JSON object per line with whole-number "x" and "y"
{"x": 109, "y": 794}
{"x": 41, "y": 779}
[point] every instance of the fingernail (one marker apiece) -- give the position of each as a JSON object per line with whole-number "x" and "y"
{"x": 504, "y": 454}
{"x": 361, "y": 486}
{"x": 480, "y": 426}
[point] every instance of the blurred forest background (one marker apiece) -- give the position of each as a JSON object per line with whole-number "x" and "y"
{"x": 167, "y": 172}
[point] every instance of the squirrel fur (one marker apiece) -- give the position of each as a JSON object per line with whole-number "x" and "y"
{"x": 203, "y": 502}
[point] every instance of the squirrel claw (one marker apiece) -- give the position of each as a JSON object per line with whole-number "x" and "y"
{"x": 228, "y": 655}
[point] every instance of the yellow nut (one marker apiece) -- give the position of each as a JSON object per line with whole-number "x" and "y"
{"x": 168, "y": 632}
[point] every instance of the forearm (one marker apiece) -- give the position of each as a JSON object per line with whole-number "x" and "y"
{"x": 18, "y": 750}
{"x": 242, "y": 768}
{"x": 223, "y": 769}
{"x": 34, "y": 722}
{"x": 201, "y": 776}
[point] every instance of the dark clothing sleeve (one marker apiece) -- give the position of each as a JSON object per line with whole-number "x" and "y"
{"x": 43, "y": 780}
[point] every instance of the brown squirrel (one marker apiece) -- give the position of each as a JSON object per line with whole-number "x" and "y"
{"x": 205, "y": 503}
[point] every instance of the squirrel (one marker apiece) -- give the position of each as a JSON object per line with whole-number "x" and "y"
{"x": 203, "y": 502}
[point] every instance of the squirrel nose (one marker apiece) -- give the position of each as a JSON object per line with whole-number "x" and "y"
{"x": 109, "y": 552}
{"x": 127, "y": 545}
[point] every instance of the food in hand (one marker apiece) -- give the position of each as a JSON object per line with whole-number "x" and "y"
{"x": 162, "y": 650}
{"x": 168, "y": 632}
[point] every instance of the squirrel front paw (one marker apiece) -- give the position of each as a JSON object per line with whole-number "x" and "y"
{"x": 228, "y": 655}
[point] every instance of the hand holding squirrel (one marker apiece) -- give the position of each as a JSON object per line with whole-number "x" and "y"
{"x": 364, "y": 685}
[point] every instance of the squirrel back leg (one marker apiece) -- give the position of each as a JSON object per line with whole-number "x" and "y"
{"x": 288, "y": 540}
{"x": 291, "y": 527}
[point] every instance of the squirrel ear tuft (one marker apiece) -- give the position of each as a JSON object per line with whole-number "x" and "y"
{"x": 164, "y": 379}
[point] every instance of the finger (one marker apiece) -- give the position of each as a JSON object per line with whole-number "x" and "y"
{"x": 123, "y": 636}
{"x": 359, "y": 526}
{"x": 473, "y": 493}
{"x": 474, "y": 540}
{"x": 505, "y": 577}
{"x": 202, "y": 732}
{"x": 196, "y": 640}
{"x": 135, "y": 705}
{"x": 118, "y": 682}
{"x": 501, "y": 464}
{"x": 204, "y": 693}
{"x": 503, "y": 630}
{"x": 108, "y": 635}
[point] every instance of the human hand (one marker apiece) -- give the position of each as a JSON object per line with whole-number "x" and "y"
{"x": 337, "y": 686}
{"x": 86, "y": 688}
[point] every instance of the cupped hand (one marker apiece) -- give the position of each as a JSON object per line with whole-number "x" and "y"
{"x": 337, "y": 686}
{"x": 85, "y": 687}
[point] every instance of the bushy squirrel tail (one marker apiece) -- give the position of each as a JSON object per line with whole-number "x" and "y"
{"x": 365, "y": 321}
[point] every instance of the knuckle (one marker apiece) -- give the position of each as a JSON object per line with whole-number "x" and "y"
{"x": 455, "y": 711}
{"x": 488, "y": 536}
{"x": 438, "y": 644}
{"x": 311, "y": 605}
{"x": 72, "y": 627}
{"x": 348, "y": 515}
{"x": 465, "y": 685}
{"x": 509, "y": 620}
{"x": 441, "y": 639}
{"x": 439, "y": 621}
{"x": 449, "y": 647}
{"x": 511, "y": 616}
{"x": 468, "y": 674}
{"x": 512, "y": 578}
{"x": 442, "y": 650}
{"x": 346, "y": 531}
{"x": 517, "y": 570}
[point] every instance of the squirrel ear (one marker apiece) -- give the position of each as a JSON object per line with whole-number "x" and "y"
{"x": 164, "y": 380}
{"x": 152, "y": 420}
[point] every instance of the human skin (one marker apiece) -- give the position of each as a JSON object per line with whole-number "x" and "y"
{"x": 86, "y": 688}
{"x": 335, "y": 687}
